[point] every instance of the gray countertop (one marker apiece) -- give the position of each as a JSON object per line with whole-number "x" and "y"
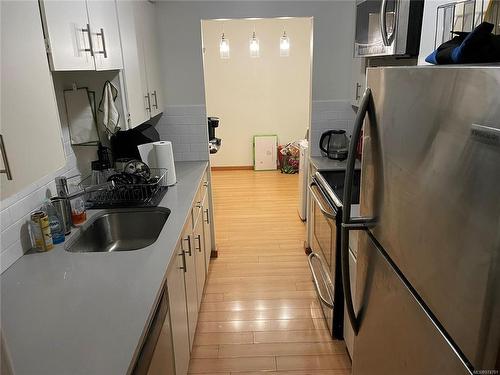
{"x": 86, "y": 313}
{"x": 322, "y": 163}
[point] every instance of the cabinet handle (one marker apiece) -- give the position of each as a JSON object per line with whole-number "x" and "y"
{"x": 198, "y": 204}
{"x": 358, "y": 86}
{"x": 104, "y": 52}
{"x": 184, "y": 267}
{"x": 205, "y": 184}
{"x": 208, "y": 216}
{"x": 6, "y": 169}
{"x": 188, "y": 239}
{"x": 149, "y": 102}
{"x": 90, "y": 49}
{"x": 156, "y": 99}
{"x": 199, "y": 242}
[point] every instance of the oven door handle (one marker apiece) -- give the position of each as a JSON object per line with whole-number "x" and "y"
{"x": 317, "y": 199}
{"x": 325, "y": 278}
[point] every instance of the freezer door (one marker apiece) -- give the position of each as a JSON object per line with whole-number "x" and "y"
{"x": 431, "y": 176}
{"x": 396, "y": 335}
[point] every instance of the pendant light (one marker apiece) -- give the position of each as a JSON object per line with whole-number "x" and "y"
{"x": 284, "y": 45}
{"x": 254, "y": 46}
{"x": 224, "y": 47}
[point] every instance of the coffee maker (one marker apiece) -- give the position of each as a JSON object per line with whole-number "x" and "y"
{"x": 214, "y": 143}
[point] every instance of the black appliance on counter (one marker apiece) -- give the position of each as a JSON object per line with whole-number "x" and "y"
{"x": 214, "y": 143}
{"x": 124, "y": 143}
{"x": 326, "y": 189}
{"x": 334, "y": 144}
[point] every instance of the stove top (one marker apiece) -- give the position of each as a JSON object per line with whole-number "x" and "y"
{"x": 335, "y": 180}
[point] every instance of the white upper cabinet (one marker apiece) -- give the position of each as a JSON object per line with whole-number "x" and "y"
{"x": 66, "y": 29}
{"x": 358, "y": 80}
{"x": 134, "y": 62}
{"x": 152, "y": 59}
{"x": 82, "y": 35}
{"x": 105, "y": 34}
{"x": 30, "y": 125}
{"x": 141, "y": 64}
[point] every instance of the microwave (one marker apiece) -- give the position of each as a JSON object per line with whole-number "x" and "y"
{"x": 388, "y": 27}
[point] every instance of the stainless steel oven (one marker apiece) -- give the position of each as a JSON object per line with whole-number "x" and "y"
{"x": 324, "y": 260}
{"x": 388, "y": 27}
{"x": 326, "y": 189}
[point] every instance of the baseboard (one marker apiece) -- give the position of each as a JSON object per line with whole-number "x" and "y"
{"x": 233, "y": 168}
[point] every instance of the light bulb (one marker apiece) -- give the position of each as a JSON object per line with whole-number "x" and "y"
{"x": 224, "y": 47}
{"x": 254, "y": 46}
{"x": 284, "y": 45}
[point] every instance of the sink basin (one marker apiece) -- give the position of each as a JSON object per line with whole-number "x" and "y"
{"x": 119, "y": 230}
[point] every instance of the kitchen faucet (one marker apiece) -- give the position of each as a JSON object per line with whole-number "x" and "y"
{"x": 63, "y": 191}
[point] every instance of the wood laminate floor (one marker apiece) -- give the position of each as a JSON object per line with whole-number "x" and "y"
{"x": 259, "y": 312}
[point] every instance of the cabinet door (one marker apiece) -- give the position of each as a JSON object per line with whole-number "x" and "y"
{"x": 134, "y": 69}
{"x": 207, "y": 232}
{"x": 358, "y": 80}
{"x": 30, "y": 122}
{"x": 190, "y": 280}
{"x": 151, "y": 52}
{"x": 178, "y": 312}
{"x": 66, "y": 28}
{"x": 348, "y": 332}
{"x": 105, "y": 34}
{"x": 199, "y": 249}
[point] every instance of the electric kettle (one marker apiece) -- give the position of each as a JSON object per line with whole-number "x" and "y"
{"x": 334, "y": 144}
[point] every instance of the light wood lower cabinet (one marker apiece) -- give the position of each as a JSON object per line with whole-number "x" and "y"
{"x": 178, "y": 310}
{"x": 207, "y": 231}
{"x": 186, "y": 278}
{"x": 199, "y": 250}
{"x": 190, "y": 280}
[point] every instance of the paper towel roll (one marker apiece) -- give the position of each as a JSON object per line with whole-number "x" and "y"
{"x": 165, "y": 159}
{"x": 148, "y": 155}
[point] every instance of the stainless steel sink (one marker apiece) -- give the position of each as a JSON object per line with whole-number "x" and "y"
{"x": 119, "y": 230}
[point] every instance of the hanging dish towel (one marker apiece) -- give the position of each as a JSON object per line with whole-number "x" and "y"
{"x": 111, "y": 116}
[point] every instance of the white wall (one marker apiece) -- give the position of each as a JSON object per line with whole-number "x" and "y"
{"x": 180, "y": 39}
{"x": 269, "y": 94}
{"x": 15, "y": 210}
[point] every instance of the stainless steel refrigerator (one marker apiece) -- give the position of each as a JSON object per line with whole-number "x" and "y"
{"x": 428, "y": 278}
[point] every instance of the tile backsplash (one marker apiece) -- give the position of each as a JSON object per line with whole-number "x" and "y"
{"x": 326, "y": 115}
{"x": 186, "y": 127}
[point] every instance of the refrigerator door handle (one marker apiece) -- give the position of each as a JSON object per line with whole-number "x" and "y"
{"x": 349, "y": 223}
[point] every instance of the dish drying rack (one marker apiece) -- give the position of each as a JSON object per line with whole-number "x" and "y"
{"x": 464, "y": 16}
{"x": 129, "y": 195}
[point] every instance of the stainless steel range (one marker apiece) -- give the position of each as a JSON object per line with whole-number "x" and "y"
{"x": 326, "y": 190}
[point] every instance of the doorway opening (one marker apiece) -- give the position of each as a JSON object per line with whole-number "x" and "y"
{"x": 258, "y": 78}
